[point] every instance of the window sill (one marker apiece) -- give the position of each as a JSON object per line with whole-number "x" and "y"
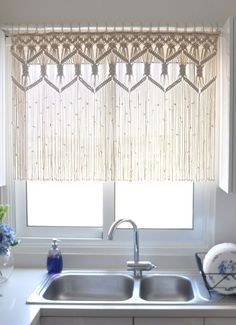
{"x": 98, "y": 254}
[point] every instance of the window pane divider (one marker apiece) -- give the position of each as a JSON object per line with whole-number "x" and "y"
{"x": 108, "y": 207}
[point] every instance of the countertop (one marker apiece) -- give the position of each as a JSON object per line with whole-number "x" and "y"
{"x": 14, "y": 293}
{"x": 15, "y": 311}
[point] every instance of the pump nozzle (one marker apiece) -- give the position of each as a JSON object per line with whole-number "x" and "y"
{"x": 54, "y": 242}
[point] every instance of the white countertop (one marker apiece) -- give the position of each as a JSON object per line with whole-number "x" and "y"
{"x": 15, "y": 311}
{"x": 13, "y": 295}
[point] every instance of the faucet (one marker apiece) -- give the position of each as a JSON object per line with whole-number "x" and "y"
{"x": 136, "y": 265}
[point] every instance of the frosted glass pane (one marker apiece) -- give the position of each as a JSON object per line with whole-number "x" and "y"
{"x": 65, "y": 203}
{"x": 164, "y": 205}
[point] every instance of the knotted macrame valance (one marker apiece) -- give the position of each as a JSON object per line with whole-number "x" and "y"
{"x": 114, "y": 105}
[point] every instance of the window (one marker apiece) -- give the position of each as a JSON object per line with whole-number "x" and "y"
{"x": 194, "y": 232}
{"x": 64, "y": 204}
{"x": 155, "y": 205}
{"x": 80, "y": 204}
{"x": 159, "y": 107}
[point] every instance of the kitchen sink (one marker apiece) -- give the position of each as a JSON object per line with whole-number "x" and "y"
{"x": 119, "y": 288}
{"x": 166, "y": 288}
{"x": 89, "y": 287}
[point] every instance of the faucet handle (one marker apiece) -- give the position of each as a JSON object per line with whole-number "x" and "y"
{"x": 140, "y": 266}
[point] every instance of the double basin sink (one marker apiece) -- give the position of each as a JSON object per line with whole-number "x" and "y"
{"x": 74, "y": 287}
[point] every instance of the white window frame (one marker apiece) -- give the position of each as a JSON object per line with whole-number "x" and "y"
{"x": 2, "y": 111}
{"x": 152, "y": 241}
{"x": 161, "y": 238}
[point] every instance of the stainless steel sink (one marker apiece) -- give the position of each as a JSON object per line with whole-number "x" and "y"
{"x": 166, "y": 288}
{"x": 119, "y": 288}
{"x": 89, "y": 287}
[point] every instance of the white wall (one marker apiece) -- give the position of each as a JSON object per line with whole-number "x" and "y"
{"x": 127, "y": 11}
{"x": 225, "y": 227}
{"x": 116, "y": 11}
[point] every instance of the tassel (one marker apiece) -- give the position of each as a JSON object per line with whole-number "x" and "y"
{"x": 170, "y": 50}
{"x": 199, "y": 77}
{"x": 205, "y": 51}
{"x": 25, "y": 74}
{"x": 124, "y": 50}
{"x": 164, "y": 73}
{"x": 159, "y": 49}
{"x": 88, "y": 50}
{"x": 55, "y": 51}
{"x": 135, "y": 49}
{"x": 129, "y": 71}
{"x": 65, "y": 50}
{"x": 94, "y": 76}
{"x": 31, "y": 51}
{"x": 100, "y": 49}
{"x": 194, "y": 51}
{"x": 60, "y": 73}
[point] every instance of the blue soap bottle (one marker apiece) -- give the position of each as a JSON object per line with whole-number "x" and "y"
{"x": 54, "y": 260}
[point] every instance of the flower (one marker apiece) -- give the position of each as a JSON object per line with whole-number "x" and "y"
{"x": 7, "y": 234}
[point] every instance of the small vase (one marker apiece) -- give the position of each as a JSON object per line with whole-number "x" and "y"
{"x": 6, "y": 266}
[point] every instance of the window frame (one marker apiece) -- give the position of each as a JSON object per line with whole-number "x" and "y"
{"x": 2, "y": 111}
{"x": 203, "y": 202}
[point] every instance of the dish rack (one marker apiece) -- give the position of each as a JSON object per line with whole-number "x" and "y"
{"x": 211, "y": 289}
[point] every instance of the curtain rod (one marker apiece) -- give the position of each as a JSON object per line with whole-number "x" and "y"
{"x": 24, "y": 28}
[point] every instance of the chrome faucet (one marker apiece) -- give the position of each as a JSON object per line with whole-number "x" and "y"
{"x": 136, "y": 266}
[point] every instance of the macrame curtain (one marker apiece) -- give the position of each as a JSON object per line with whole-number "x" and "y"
{"x": 114, "y": 105}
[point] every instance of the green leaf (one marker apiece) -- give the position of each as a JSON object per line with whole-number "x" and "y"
{"x": 3, "y": 210}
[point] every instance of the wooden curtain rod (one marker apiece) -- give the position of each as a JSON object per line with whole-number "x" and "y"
{"x": 24, "y": 28}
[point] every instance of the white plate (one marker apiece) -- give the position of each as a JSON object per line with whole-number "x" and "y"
{"x": 220, "y": 266}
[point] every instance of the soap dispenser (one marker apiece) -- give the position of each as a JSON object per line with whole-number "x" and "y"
{"x": 54, "y": 260}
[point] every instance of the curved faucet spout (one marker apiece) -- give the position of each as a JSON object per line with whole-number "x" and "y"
{"x": 136, "y": 236}
{"x": 136, "y": 266}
